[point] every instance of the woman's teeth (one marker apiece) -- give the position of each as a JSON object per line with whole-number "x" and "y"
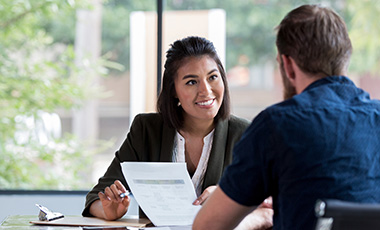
{"x": 209, "y": 102}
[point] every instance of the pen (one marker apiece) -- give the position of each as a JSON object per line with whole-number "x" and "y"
{"x": 122, "y": 195}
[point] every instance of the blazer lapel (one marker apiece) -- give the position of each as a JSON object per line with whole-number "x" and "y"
{"x": 216, "y": 161}
{"x": 167, "y": 144}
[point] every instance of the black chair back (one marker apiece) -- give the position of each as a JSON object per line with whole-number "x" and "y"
{"x": 343, "y": 215}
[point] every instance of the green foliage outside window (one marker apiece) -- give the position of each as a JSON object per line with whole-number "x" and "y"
{"x": 365, "y": 31}
{"x": 39, "y": 76}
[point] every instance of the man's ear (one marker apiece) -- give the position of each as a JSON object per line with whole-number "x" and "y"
{"x": 289, "y": 67}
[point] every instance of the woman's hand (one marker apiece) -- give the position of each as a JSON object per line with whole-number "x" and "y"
{"x": 267, "y": 203}
{"x": 259, "y": 219}
{"x": 203, "y": 197}
{"x": 114, "y": 206}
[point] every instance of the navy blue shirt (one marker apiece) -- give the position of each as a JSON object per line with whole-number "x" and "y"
{"x": 322, "y": 143}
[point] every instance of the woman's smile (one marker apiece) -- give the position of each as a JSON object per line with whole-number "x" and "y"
{"x": 206, "y": 103}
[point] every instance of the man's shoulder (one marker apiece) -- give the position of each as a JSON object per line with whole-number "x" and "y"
{"x": 280, "y": 107}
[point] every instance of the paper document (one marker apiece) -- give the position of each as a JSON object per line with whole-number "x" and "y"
{"x": 164, "y": 191}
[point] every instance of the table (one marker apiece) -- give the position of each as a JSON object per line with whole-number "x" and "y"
{"x": 69, "y": 222}
{"x": 21, "y": 222}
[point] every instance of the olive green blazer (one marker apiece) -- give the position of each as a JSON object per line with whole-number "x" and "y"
{"x": 151, "y": 140}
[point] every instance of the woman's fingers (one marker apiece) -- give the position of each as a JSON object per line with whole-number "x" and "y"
{"x": 203, "y": 197}
{"x": 102, "y": 196}
{"x": 267, "y": 203}
{"x": 110, "y": 193}
{"x": 113, "y": 192}
{"x": 120, "y": 186}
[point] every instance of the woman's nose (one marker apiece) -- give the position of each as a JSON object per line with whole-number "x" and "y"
{"x": 204, "y": 88}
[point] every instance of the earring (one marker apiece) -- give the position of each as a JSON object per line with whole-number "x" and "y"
{"x": 179, "y": 104}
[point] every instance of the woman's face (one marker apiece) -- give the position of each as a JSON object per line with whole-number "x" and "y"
{"x": 199, "y": 88}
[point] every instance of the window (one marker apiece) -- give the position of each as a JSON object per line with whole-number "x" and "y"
{"x": 66, "y": 74}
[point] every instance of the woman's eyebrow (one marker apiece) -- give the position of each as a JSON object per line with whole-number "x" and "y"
{"x": 196, "y": 76}
{"x": 214, "y": 70}
{"x": 189, "y": 76}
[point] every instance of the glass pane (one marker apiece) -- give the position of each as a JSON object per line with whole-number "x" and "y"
{"x": 65, "y": 81}
{"x": 64, "y": 90}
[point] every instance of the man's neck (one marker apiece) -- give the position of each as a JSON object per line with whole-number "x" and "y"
{"x": 305, "y": 80}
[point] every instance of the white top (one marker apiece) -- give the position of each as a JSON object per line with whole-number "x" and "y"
{"x": 179, "y": 156}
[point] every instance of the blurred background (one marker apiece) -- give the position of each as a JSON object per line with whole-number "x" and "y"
{"x": 74, "y": 73}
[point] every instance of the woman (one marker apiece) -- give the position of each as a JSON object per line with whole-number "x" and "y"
{"x": 193, "y": 125}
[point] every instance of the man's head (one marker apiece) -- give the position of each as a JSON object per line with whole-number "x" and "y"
{"x": 317, "y": 39}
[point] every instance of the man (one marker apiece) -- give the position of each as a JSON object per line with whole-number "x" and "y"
{"x": 323, "y": 141}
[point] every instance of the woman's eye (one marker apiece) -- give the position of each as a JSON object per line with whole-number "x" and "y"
{"x": 191, "y": 82}
{"x": 213, "y": 77}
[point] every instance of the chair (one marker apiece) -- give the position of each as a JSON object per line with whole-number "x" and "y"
{"x": 343, "y": 215}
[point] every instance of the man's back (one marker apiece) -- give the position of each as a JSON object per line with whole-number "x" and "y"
{"x": 327, "y": 146}
{"x": 322, "y": 143}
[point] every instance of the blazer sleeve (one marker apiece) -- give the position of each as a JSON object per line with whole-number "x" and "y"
{"x": 141, "y": 143}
